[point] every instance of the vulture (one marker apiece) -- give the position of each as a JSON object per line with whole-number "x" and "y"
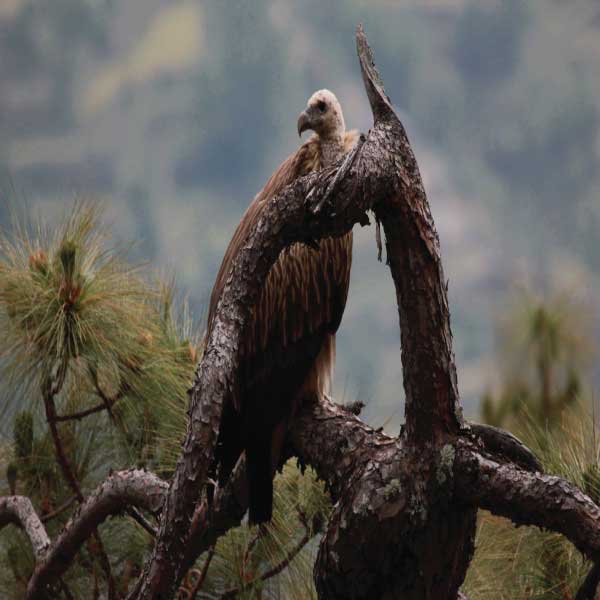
{"x": 287, "y": 350}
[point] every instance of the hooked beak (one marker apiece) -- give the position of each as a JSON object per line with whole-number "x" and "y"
{"x": 303, "y": 122}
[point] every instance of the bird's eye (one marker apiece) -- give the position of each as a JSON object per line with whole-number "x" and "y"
{"x": 321, "y": 106}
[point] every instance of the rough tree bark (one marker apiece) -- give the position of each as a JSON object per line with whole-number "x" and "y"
{"x": 121, "y": 490}
{"x": 400, "y": 528}
{"x": 404, "y": 518}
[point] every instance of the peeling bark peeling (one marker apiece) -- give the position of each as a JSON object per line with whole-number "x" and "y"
{"x": 403, "y": 523}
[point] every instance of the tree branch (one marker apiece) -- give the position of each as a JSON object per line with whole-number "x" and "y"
{"x": 49, "y": 390}
{"x": 19, "y": 511}
{"x": 107, "y": 401}
{"x": 279, "y": 567}
{"x": 202, "y": 574}
{"x": 212, "y": 520}
{"x": 336, "y": 443}
{"x": 61, "y": 509}
{"x": 528, "y": 498}
{"x": 77, "y": 416}
{"x": 120, "y": 490}
{"x": 139, "y": 518}
{"x": 286, "y": 219}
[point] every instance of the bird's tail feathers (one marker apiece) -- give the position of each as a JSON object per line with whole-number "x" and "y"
{"x": 260, "y": 480}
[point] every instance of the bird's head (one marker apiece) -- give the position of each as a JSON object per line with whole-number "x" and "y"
{"x": 323, "y": 115}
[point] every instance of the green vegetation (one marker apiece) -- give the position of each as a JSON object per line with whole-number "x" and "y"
{"x": 541, "y": 401}
{"x": 544, "y": 348}
{"x": 99, "y": 355}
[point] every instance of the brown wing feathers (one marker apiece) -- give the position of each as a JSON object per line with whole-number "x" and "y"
{"x": 289, "y": 346}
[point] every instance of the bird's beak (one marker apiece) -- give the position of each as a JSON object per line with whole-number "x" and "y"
{"x": 303, "y": 122}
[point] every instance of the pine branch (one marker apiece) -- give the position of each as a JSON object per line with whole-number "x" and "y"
{"x": 107, "y": 401}
{"x": 202, "y": 575}
{"x": 49, "y": 390}
{"x": 77, "y": 416}
{"x": 120, "y": 490}
{"x": 503, "y": 444}
{"x": 61, "y": 509}
{"x": 141, "y": 520}
{"x": 279, "y": 567}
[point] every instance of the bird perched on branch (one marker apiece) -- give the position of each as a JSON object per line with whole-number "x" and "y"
{"x": 288, "y": 347}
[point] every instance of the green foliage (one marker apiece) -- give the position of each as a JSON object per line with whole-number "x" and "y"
{"x": 67, "y": 296}
{"x": 75, "y": 313}
{"x": 541, "y": 344}
{"x": 23, "y": 435}
{"x": 80, "y": 323}
{"x": 300, "y": 510}
{"x": 544, "y": 347}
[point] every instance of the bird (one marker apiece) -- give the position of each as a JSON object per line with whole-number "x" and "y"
{"x": 287, "y": 349}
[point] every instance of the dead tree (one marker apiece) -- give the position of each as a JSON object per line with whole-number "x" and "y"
{"x": 404, "y": 518}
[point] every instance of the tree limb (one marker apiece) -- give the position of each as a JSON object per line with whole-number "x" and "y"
{"x": 77, "y": 416}
{"x": 61, "y": 509}
{"x": 336, "y": 443}
{"x": 139, "y": 518}
{"x": 432, "y": 407}
{"x": 120, "y": 490}
{"x": 278, "y": 568}
{"x": 528, "y": 498}
{"x": 212, "y": 520}
{"x": 19, "y": 511}
{"x": 202, "y": 574}
{"x": 286, "y": 219}
{"x": 49, "y": 390}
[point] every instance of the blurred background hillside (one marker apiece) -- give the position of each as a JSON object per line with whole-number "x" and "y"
{"x": 174, "y": 114}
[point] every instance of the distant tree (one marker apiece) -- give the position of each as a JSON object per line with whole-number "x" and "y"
{"x": 544, "y": 347}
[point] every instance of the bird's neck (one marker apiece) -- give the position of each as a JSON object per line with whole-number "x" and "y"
{"x": 332, "y": 148}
